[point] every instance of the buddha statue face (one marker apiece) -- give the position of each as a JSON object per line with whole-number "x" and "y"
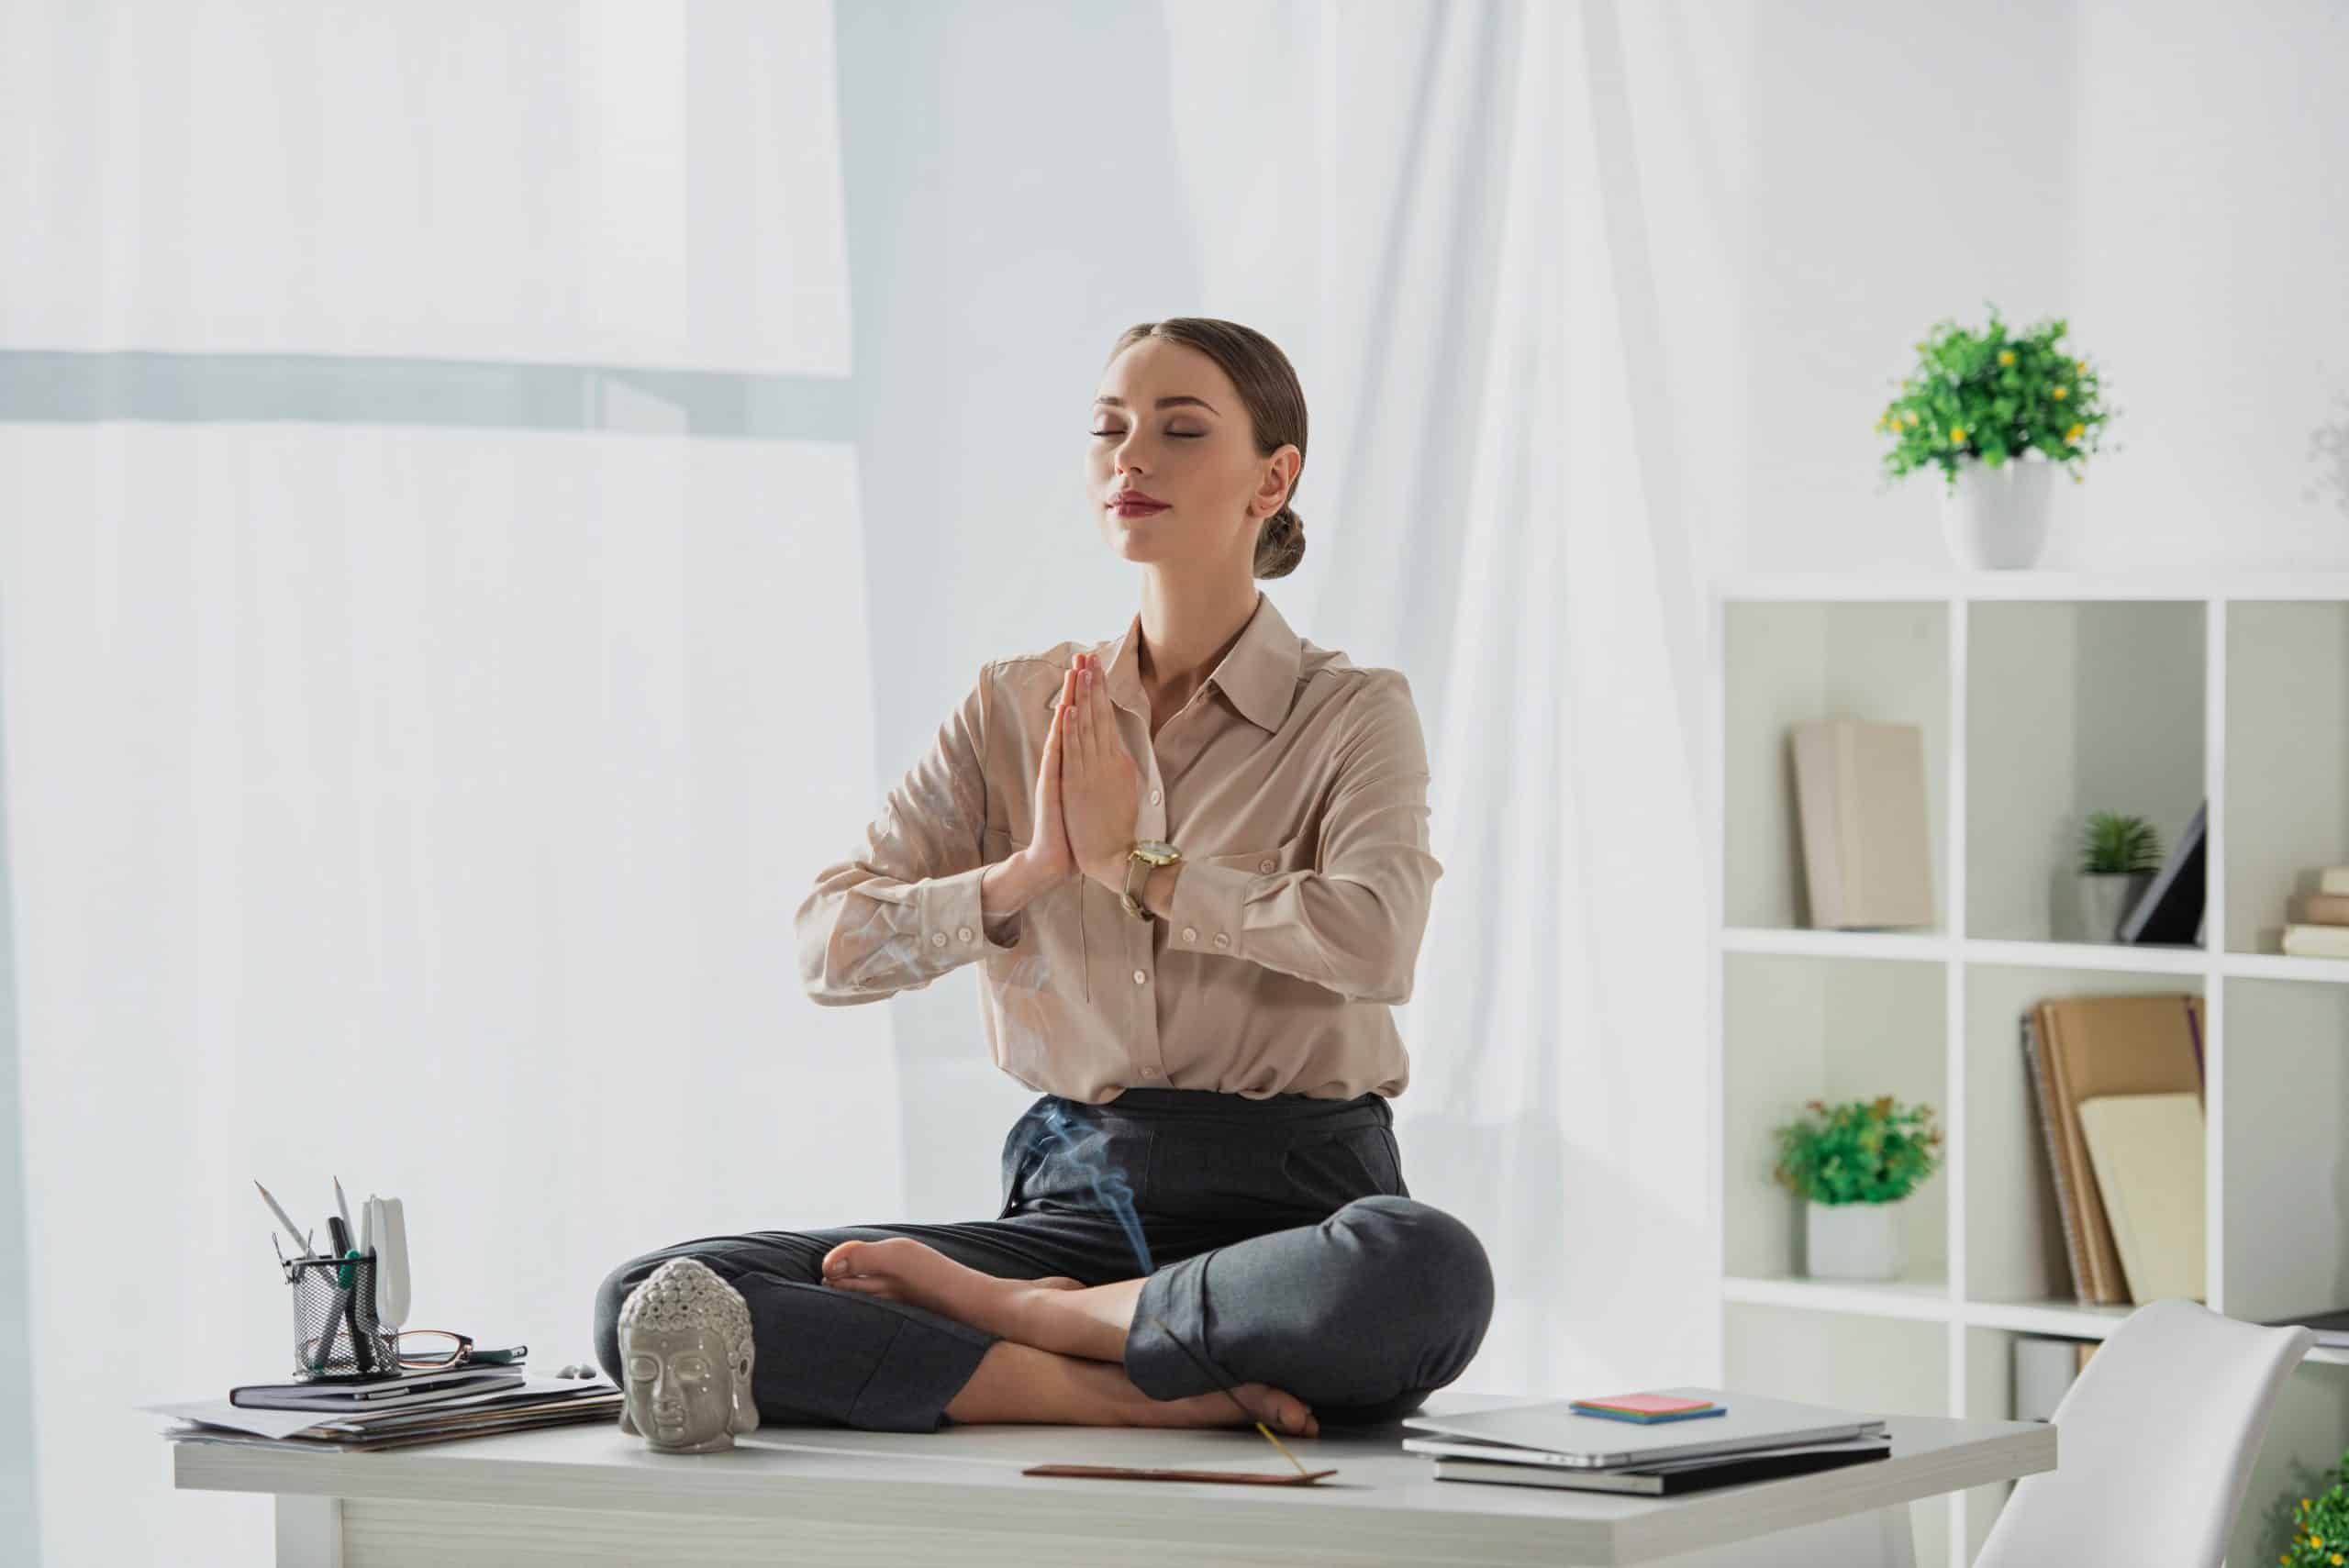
{"x": 685, "y": 1358}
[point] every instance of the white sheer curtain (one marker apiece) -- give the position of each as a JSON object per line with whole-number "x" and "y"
{"x": 1445, "y": 212}
{"x": 407, "y": 773}
{"x": 420, "y": 802}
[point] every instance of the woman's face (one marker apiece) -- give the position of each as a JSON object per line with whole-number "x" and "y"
{"x": 1168, "y": 425}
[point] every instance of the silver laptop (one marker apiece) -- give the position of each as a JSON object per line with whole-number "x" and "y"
{"x": 1553, "y": 1432}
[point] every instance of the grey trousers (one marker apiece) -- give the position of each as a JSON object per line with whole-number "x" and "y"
{"x": 1281, "y": 1246}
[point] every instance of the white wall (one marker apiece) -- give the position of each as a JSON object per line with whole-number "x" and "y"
{"x": 2163, "y": 176}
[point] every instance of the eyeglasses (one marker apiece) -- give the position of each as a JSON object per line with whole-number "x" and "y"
{"x": 424, "y": 1350}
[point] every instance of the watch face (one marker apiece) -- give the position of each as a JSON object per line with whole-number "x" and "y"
{"x": 1157, "y": 850}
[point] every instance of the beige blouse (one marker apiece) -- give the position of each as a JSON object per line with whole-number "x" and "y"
{"x": 1294, "y": 782}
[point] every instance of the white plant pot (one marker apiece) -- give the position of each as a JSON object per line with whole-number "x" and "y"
{"x": 2105, "y": 899}
{"x": 1997, "y": 516}
{"x": 1857, "y": 1240}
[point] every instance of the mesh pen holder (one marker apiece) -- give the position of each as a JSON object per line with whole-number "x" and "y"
{"x": 336, "y": 1333}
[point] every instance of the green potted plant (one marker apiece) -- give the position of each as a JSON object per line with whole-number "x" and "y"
{"x": 2119, "y": 856}
{"x": 1854, "y": 1164}
{"x": 1997, "y": 414}
{"x": 2320, "y": 1524}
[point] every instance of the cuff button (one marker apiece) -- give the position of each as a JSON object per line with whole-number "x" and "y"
{"x": 938, "y": 939}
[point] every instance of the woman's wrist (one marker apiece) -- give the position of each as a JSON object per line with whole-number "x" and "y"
{"x": 1011, "y": 884}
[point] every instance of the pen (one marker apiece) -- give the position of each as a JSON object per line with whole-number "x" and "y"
{"x": 342, "y": 1208}
{"x": 348, "y": 1304}
{"x": 287, "y": 1220}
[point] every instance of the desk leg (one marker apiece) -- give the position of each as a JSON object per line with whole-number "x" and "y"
{"x": 309, "y": 1532}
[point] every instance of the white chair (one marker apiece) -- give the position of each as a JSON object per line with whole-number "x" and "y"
{"x": 2154, "y": 1444}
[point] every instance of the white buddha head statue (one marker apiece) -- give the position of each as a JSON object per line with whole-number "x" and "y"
{"x": 685, "y": 1355}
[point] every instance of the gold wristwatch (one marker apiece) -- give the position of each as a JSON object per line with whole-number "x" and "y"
{"x": 1146, "y": 854}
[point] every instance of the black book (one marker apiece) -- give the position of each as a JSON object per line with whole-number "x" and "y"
{"x": 2170, "y": 910}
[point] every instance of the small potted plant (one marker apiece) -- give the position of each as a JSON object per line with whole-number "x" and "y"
{"x": 2119, "y": 856}
{"x": 2321, "y": 1524}
{"x": 1996, "y": 415}
{"x": 1855, "y": 1164}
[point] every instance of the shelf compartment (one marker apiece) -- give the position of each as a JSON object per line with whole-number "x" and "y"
{"x": 2014, "y": 1231}
{"x": 2285, "y": 1186}
{"x": 1880, "y": 1364}
{"x": 2287, "y": 761}
{"x": 1787, "y": 662}
{"x": 2073, "y": 707}
{"x": 1799, "y": 1028}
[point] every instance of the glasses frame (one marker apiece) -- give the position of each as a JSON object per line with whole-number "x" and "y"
{"x": 458, "y": 1357}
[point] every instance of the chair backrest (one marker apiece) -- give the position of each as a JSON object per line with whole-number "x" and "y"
{"x": 2155, "y": 1443}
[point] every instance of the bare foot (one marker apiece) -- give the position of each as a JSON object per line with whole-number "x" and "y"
{"x": 1282, "y": 1411}
{"x": 902, "y": 1269}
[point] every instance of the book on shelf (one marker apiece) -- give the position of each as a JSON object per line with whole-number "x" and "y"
{"x": 1866, "y": 848}
{"x": 2045, "y": 1371}
{"x": 2083, "y": 1047}
{"x": 2146, "y": 1150}
{"x": 2325, "y": 908}
{"x": 2316, "y": 941}
{"x": 2334, "y": 878}
{"x": 2170, "y": 910}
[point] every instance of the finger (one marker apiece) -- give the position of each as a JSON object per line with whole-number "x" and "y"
{"x": 1080, "y": 733}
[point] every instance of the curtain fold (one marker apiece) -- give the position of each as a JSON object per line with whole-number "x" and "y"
{"x": 1455, "y": 250}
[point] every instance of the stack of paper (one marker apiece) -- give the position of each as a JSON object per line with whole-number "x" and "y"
{"x": 536, "y": 1402}
{"x": 1594, "y": 1450}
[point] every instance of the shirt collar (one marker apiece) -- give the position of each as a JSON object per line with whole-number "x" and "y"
{"x": 1259, "y": 672}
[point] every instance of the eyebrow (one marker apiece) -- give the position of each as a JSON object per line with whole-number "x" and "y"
{"x": 1162, "y": 403}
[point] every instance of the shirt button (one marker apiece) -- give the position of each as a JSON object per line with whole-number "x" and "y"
{"x": 1266, "y": 863}
{"x": 1153, "y": 797}
{"x": 938, "y": 939}
{"x": 1221, "y": 940}
{"x": 1150, "y": 1071}
{"x": 1140, "y": 977}
{"x": 965, "y": 933}
{"x": 1190, "y": 933}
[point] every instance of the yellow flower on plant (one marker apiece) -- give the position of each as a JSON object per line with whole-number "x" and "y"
{"x": 2074, "y": 433}
{"x": 2006, "y": 356}
{"x": 2081, "y": 366}
{"x": 1956, "y": 434}
{"x": 2061, "y": 393}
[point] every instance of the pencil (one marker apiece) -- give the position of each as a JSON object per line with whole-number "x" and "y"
{"x": 1200, "y": 1362}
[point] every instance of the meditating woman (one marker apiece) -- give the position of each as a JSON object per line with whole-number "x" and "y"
{"x": 1192, "y": 864}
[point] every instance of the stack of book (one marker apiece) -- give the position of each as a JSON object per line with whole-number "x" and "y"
{"x": 2322, "y": 929}
{"x": 2117, "y": 1082}
{"x": 1650, "y": 1444}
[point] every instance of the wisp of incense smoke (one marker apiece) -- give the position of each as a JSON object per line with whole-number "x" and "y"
{"x": 1109, "y": 1183}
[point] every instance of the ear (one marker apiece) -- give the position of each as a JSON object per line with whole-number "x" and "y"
{"x": 627, "y": 1425}
{"x": 746, "y": 1408}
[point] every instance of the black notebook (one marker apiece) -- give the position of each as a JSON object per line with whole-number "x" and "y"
{"x": 1692, "y": 1476}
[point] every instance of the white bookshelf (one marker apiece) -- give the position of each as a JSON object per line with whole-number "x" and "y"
{"x": 2042, "y": 696}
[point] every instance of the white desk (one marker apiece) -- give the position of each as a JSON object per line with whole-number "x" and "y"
{"x": 836, "y": 1495}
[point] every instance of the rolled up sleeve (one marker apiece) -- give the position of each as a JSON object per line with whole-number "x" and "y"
{"x": 1354, "y": 922}
{"x": 907, "y": 910}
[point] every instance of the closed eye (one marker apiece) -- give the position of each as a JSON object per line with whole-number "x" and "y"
{"x": 1183, "y": 435}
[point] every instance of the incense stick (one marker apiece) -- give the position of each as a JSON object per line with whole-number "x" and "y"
{"x": 1200, "y": 1362}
